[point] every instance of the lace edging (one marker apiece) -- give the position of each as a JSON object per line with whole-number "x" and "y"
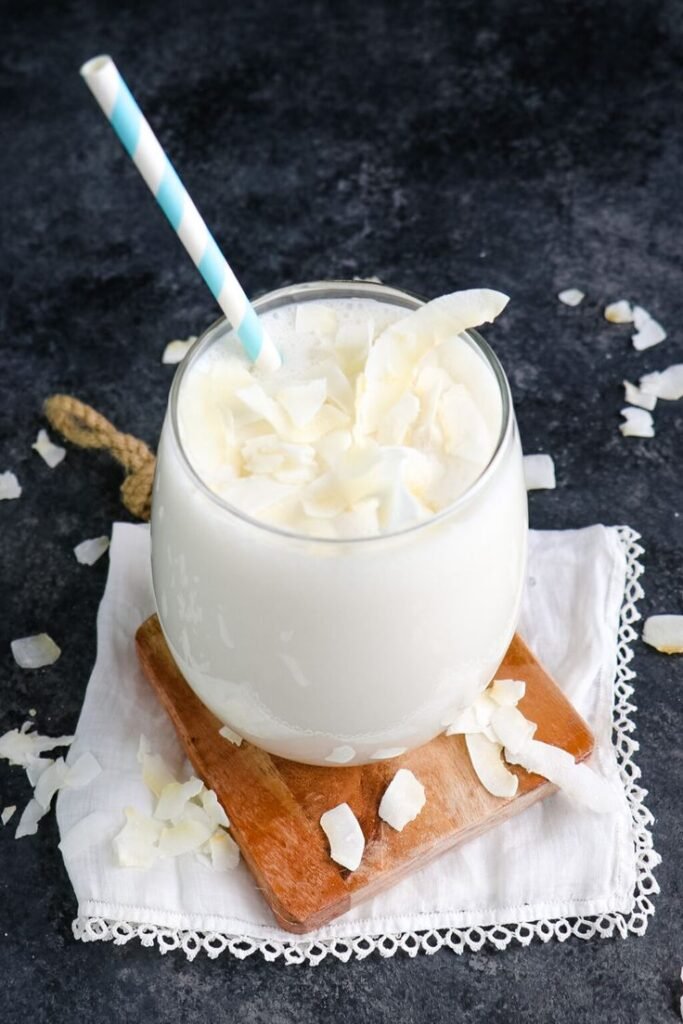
{"x": 459, "y": 940}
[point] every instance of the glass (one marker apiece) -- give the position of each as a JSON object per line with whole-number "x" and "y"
{"x": 338, "y": 651}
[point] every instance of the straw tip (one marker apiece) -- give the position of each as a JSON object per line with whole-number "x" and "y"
{"x": 95, "y": 65}
{"x": 268, "y": 359}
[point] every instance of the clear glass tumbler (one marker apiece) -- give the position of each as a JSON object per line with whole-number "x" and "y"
{"x": 338, "y": 651}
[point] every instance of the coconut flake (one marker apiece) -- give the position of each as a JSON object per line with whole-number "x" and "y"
{"x": 203, "y": 856}
{"x": 539, "y": 472}
{"x": 571, "y": 296}
{"x": 386, "y": 753}
{"x": 23, "y": 748}
{"x": 352, "y": 344}
{"x": 84, "y": 834}
{"x": 156, "y": 774}
{"x": 136, "y": 845}
{"x": 36, "y": 767}
{"x": 577, "y": 781}
{"x": 511, "y": 728}
{"x": 213, "y": 809}
{"x": 155, "y": 771}
{"x": 256, "y": 399}
{"x": 665, "y": 633}
{"x": 49, "y": 782}
{"x": 193, "y": 812}
{"x": 9, "y": 486}
{"x": 35, "y": 651}
{"x": 637, "y": 397}
{"x": 224, "y": 852}
{"x": 666, "y": 384}
{"x": 176, "y": 350}
{"x": 341, "y": 755}
{"x": 393, "y": 430}
{"x": 88, "y": 551}
{"x": 403, "y": 800}
{"x": 302, "y": 402}
{"x": 173, "y": 798}
{"x": 7, "y": 813}
{"x": 185, "y": 836}
{"x": 648, "y": 331}
{"x": 484, "y": 708}
{"x": 82, "y": 772}
{"x": 28, "y": 823}
{"x": 465, "y": 721}
{"x": 344, "y": 835}
{"x": 50, "y": 453}
{"x": 229, "y": 734}
{"x": 639, "y": 423}
{"x": 488, "y": 764}
{"x": 398, "y": 350}
{"x": 619, "y": 312}
{"x": 507, "y": 692}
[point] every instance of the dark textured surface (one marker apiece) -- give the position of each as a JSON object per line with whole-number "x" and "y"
{"x": 516, "y": 144}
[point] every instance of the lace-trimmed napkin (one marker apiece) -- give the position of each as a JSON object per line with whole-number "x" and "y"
{"x": 555, "y": 871}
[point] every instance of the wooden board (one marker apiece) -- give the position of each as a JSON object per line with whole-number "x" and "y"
{"x": 274, "y": 805}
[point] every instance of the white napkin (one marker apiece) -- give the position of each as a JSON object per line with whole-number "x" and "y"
{"x": 556, "y": 869}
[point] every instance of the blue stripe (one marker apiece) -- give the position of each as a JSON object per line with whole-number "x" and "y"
{"x": 126, "y": 117}
{"x": 212, "y": 266}
{"x": 171, "y": 195}
{"x": 250, "y": 333}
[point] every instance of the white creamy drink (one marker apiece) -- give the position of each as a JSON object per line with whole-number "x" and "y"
{"x": 338, "y": 547}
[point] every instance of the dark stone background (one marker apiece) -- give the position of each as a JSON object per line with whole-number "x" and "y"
{"x": 518, "y": 144}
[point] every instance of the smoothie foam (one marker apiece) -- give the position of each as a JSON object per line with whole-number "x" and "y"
{"x": 377, "y": 419}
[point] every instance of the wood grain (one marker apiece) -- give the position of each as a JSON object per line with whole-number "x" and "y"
{"x": 274, "y": 805}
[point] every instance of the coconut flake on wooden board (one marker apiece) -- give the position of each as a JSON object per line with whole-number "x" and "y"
{"x": 344, "y": 835}
{"x": 486, "y": 758}
{"x": 496, "y": 732}
{"x": 229, "y": 734}
{"x": 507, "y": 691}
{"x": 403, "y": 800}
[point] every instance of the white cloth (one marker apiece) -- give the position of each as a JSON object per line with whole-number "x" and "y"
{"x": 563, "y": 868}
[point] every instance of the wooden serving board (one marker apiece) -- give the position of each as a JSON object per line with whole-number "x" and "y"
{"x": 274, "y": 805}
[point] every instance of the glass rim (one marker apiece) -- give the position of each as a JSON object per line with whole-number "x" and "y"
{"x": 336, "y": 288}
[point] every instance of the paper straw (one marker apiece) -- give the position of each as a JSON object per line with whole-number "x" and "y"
{"x": 114, "y": 97}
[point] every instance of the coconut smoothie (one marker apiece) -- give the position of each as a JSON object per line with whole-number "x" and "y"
{"x": 338, "y": 547}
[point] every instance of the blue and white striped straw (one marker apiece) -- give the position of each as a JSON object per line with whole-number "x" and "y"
{"x": 114, "y": 97}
